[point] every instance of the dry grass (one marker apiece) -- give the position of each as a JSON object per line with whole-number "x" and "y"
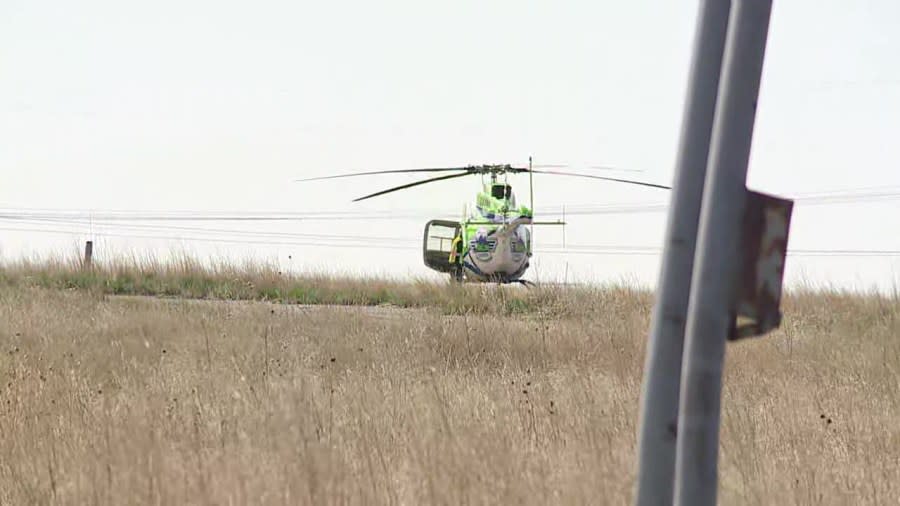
{"x": 117, "y": 400}
{"x": 187, "y": 277}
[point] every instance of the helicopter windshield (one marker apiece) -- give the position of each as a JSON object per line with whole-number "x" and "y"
{"x": 504, "y": 192}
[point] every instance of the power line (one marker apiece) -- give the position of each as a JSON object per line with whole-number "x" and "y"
{"x": 219, "y": 231}
{"x": 873, "y": 194}
{"x": 219, "y": 240}
{"x": 136, "y": 221}
{"x": 409, "y": 244}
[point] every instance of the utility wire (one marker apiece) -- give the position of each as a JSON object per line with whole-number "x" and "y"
{"x": 859, "y": 195}
{"x": 211, "y": 231}
{"x": 587, "y": 249}
{"x": 135, "y": 221}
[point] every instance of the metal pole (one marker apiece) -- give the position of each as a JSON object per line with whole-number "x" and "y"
{"x": 659, "y": 399}
{"x": 531, "y": 203}
{"x": 718, "y": 259}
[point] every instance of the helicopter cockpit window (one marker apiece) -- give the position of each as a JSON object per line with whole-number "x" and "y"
{"x": 439, "y": 237}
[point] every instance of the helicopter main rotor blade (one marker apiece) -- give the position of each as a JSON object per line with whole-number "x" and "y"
{"x": 410, "y": 185}
{"x": 615, "y": 169}
{"x": 586, "y": 167}
{"x": 626, "y": 181}
{"x": 396, "y": 171}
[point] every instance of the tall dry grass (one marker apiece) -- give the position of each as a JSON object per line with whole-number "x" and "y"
{"x": 189, "y": 277}
{"x": 118, "y": 400}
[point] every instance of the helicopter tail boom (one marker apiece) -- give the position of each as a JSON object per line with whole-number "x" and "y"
{"x": 510, "y": 228}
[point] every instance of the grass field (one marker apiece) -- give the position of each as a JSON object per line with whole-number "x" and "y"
{"x": 190, "y": 278}
{"x": 420, "y": 394}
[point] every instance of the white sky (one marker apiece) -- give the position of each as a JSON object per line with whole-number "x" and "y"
{"x": 218, "y": 106}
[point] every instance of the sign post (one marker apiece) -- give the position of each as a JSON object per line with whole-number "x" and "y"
{"x": 715, "y": 283}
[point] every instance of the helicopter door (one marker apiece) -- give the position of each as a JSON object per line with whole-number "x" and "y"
{"x": 438, "y": 242}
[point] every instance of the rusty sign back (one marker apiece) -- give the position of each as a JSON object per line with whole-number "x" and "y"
{"x": 763, "y": 252}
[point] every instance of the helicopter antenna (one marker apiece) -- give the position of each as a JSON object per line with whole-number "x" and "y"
{"x": 531, "y": 198}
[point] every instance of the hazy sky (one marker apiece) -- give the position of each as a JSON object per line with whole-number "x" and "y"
{"x": 217, "y": 106}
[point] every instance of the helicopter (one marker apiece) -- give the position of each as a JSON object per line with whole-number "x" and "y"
{"x": 493, "y": 240}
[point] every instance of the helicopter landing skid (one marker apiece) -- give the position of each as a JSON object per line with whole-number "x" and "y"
{"x": 523, "y": 282}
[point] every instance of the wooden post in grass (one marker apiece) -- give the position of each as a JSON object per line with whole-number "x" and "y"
{"x": 88, "y": 254}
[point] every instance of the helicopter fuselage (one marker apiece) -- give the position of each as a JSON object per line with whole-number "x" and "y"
{"x": 492, "y": 242}
{"x": 496, "y": 253}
